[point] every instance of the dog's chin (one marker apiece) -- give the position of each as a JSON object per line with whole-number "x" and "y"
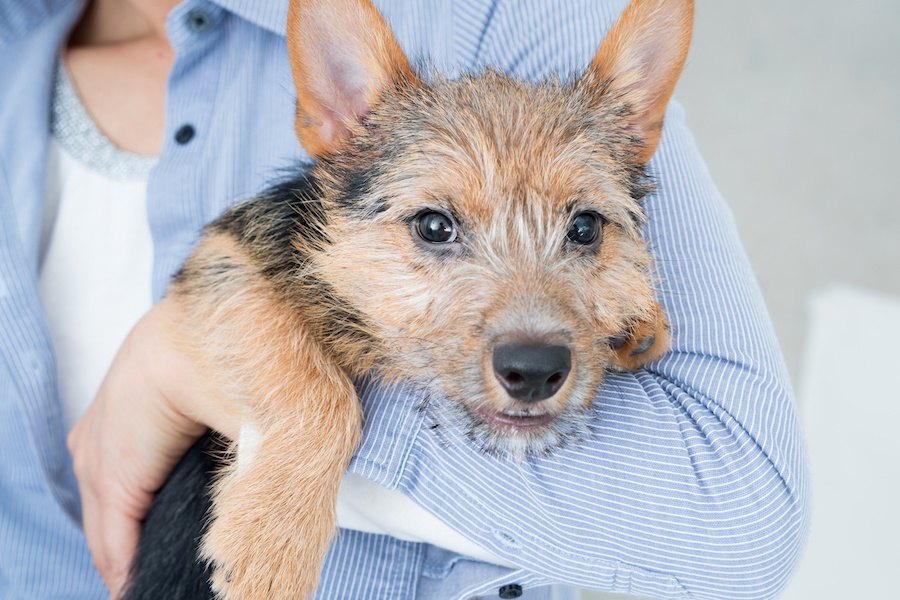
{"x": 526, "y": 434}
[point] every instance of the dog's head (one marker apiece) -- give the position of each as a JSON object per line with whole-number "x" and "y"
{"x": 488, "y": 230}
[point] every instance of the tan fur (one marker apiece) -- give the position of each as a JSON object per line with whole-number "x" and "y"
{"x": 513, "y": 163}
{"x": 273, "y": 522}
{"x": 643, "y": 67}
{"x": 316, "y": 30}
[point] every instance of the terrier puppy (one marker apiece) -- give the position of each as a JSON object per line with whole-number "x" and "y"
{"x": 478, "y": 238}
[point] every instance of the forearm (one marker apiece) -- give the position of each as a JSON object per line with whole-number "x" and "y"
{"x": 693, "y": 478}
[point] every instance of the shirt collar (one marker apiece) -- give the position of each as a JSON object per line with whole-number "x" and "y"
{"x": 269, "y": 14}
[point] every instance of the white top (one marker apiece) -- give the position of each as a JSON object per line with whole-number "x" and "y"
{"x": 97, "y": 252}
{"x": 95, "y": 274}
{"x": 97, "y": 259}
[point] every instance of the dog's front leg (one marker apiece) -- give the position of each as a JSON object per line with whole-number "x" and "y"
{"x": 274, "y": 514}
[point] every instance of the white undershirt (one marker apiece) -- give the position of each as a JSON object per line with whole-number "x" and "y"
{"x": 96, "y": 266}
{"x": 95, "y": 274}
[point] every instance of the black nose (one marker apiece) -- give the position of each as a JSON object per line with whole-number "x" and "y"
{"x": 531, "y": 372}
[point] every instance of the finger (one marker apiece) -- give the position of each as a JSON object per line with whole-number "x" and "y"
{"x": 112, "y": 533}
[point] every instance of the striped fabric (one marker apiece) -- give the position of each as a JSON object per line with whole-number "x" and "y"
{"x": 693, "y": 483}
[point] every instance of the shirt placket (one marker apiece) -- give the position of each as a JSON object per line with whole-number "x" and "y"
{"x": 195, "y": 28}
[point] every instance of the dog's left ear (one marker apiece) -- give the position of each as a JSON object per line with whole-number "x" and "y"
{"x": 640, "y": 61}
{"x": 343, "y": 56}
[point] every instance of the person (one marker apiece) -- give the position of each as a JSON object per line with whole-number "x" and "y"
{"x": 693, "y": 484}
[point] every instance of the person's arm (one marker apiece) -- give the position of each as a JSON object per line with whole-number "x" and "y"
{"x": 672, "y": 486}
{"x": 693, "y": 482}
{"x": 694, "y": 475}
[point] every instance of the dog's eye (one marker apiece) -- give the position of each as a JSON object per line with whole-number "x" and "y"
{"x": 586, "y": 229}
{"x": 435, "y": 227}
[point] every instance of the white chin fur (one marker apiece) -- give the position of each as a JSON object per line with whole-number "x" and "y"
{"x": 569, "y": 427}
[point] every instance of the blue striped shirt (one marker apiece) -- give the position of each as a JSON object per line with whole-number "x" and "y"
{"x": 693, "y": 483}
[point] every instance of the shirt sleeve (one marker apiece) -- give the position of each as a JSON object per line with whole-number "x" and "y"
{"x": 692, "y": 483}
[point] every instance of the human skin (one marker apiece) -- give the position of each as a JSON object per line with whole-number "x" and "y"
{"x": 119, "y": 58}
{"x": 151, "y": 405}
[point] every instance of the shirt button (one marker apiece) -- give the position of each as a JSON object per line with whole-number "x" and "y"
{"x": 513, "y": 590}
{"x": 199, "y": 21}
{"x": 184, "y": 134}
{"x": 506, "y": 539}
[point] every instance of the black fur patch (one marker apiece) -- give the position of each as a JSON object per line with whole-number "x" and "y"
{"x": 356, "y": 185}
{"x": 267, "y": 225}
{"x": 640, "y": 184}
{"x": 166, "y": 563}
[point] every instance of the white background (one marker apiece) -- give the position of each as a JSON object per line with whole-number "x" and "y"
{"x": 796, "y": 108}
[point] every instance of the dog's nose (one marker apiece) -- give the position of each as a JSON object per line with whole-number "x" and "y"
{"x": 531, "y": 372}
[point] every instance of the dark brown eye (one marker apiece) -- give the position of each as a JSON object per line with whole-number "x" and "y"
{"x": 586, "y": 229}
{"x": 435, "y": 227}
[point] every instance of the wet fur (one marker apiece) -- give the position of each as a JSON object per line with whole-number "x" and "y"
{"x": 322, "y": 279}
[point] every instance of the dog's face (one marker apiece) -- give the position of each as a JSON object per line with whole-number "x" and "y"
{"x": 496, "y": 249}
{"x": 486, "y": 229}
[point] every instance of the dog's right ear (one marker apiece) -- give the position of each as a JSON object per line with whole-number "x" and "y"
{"x": 343, "y": 55}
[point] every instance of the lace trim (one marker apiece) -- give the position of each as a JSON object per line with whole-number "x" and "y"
{"x": 77, "y": 134}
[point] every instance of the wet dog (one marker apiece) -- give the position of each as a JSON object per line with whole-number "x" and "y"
{"x": 478, "y": 238}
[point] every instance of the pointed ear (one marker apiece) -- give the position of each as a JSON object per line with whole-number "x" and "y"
{"x": 343, "y": 55}
{"x": 640, "y": 61}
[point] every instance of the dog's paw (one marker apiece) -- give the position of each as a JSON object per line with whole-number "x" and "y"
{"x": 257, "y": 559}
{"x": 644, "y": 342}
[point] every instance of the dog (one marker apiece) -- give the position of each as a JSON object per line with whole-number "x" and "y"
{"x": 477, "y": 238}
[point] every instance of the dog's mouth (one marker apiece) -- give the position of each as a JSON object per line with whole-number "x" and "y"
{"x": 515, "y": 421}
{"x": 519, "y": 432}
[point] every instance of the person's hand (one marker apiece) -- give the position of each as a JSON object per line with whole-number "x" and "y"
{"x": 153, "y": 404}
